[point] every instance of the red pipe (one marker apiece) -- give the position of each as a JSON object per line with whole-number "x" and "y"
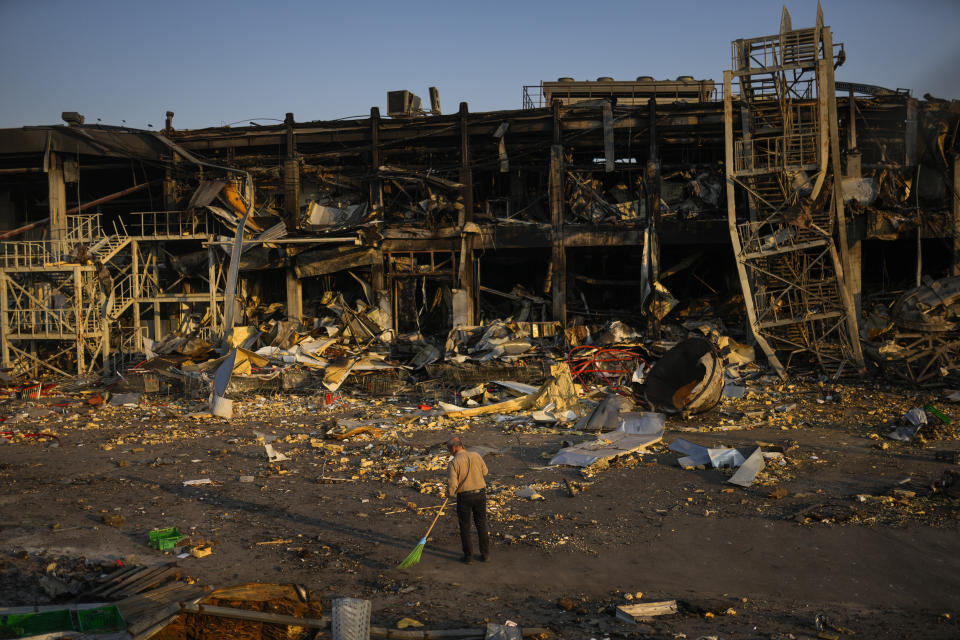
{"x": 23, "y": 229}
{"x": 112, "y": 196}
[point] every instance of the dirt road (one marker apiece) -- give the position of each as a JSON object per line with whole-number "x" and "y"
{"x": 847, "y": 527}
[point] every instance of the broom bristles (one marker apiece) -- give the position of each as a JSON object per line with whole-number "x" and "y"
{"x": 413, "y": 558}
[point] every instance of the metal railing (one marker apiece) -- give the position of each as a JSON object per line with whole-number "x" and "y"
{"x": 60, "y": 323}
{"x": 31, "y": 253}
{"x": 629, "y": 94}
{"x": 793, "y": 48}
{"x": 83, "y": 227}
{"x": 777, "y": 153}
{"x": 146, "y": 224}
{"x": 772, "y": 236}
{"x": 123, "y": 295}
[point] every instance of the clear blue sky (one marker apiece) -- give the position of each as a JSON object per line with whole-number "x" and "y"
{"x": 215, "y": 62}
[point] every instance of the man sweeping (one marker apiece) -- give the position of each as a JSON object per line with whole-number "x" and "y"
{"x": 465, "y": 481}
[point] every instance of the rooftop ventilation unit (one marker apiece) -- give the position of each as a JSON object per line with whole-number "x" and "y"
{"x": 402, "y": 104}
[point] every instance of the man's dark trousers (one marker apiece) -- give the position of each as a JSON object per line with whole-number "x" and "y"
{"x": 475, "y": 503}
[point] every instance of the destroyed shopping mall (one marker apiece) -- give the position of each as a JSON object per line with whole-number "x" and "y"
{"x": 713, "y": 277}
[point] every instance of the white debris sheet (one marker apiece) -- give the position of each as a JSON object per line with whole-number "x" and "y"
{"x": 607, "y": 446}
{"x": 748, "y": 465}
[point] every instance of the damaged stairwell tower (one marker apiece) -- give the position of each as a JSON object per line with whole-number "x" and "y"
{"x": 784, "y": 208}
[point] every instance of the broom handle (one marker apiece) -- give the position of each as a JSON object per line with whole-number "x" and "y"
{"x": 439, "y": 513}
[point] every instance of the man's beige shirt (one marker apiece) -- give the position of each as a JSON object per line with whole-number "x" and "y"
{"x": 465, "y": 473}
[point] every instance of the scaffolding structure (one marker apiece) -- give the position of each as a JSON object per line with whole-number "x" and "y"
{"x": 81, "y": 297}
{"x": 785, "y": 158}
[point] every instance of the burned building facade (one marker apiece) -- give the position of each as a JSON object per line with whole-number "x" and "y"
{"x": 779, "y": 200}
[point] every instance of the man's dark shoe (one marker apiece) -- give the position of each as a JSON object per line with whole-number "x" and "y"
{"x": 466, "y": 559}
{"x": 483, "y": 558}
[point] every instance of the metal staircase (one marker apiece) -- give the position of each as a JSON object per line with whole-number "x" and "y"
{"x": 782, "y": 162}
{"x": 61, "y": 301}
{"x": 106, "y": 248}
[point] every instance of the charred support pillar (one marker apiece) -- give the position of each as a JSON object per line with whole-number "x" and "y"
{"x": 78, "y": 313}
{"x": 466, "y": 175}
{"x": 170, "y": 183}
{"x": 608, "y": 149}
{"x": 382, "y": 292}
{"x": 212, "y": 282}
{"x": 956, "y": 214}
{"x": 558, "y": 257}
{"x": 558, "y": 285}
{"x": 57, "y": 196}
{"x": 467, "y": 268}
{"x": 854, "y": 234}
{"x": 853, "y": 154}
{"x": 294, "y": 295}
{"x": 651, "y": 189}
{"x": 376, "y": 184}
{"x": 291, "y": 178}
{"x": 855, "y": 259}
{"x": 137, "y": 293}
{"x": 153, "y": 260}
{"x": 106, "y": 347}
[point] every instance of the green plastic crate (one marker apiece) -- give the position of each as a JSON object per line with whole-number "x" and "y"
{"x": 19, "y": 625}
{"x": 165, "y": 539}
{"x": 101, "y": 619}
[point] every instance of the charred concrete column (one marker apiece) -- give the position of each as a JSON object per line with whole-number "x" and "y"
{"x": 291, "y": 178}
{"x": 382, "y": 292}
{"x": 856, "y": 232}
{"x": 294, "y": 295}
{"x": 558, "y": 257}
{"x": 651, "y": 190}
{"x": 137, "y": 293}
{"x": 212, "y": 283}
{"x": 467, "y": 267}
{"x": 57, "y": 196}
{"x": 853, "y": 154}
{"x": 376, "y": 184}
{"x": 169, "y": 172}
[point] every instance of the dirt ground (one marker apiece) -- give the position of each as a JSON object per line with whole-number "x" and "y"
{"x": 849, "y": 525}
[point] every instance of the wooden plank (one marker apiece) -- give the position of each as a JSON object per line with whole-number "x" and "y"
{"x": 147, "y": 581}
{"x": 134, "y": 607}
{"x": 166, "y": 615}
{"x": 114, "y": 577}
{"x": 152, "y": 581}
{"x": 140, "y": 575}
{"x": 644, "y": 610}
{"x": 256, "y": 616}
{"x": 136, "y": 574}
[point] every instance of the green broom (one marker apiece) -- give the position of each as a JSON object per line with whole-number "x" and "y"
{"x": 414, "y": 556}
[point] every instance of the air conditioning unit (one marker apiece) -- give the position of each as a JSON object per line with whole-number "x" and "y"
{"x": 402, "y": 103}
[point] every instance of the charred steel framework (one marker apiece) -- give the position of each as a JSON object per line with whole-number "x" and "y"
{"x": 75, "y": 292}
{"x": 785, "y": 158}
